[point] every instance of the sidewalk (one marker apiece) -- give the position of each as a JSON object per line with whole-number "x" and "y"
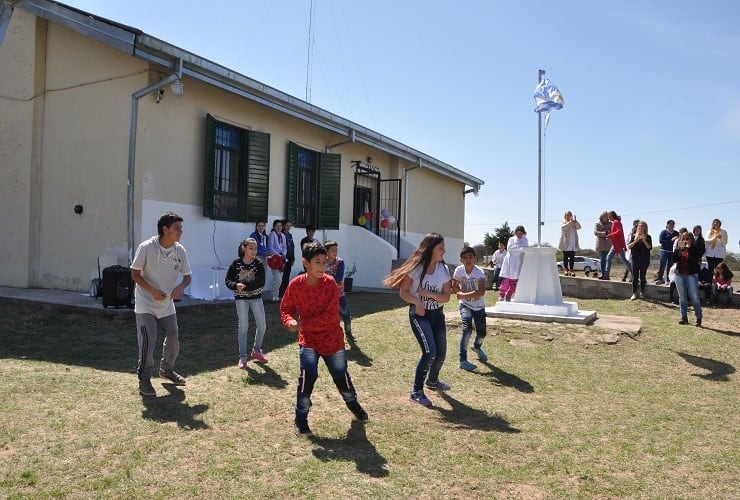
{"x": 82, "y": 303}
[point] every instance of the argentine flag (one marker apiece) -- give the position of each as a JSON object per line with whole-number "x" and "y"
{"x": 547, "y": 97}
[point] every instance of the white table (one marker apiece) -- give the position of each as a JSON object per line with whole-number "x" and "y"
{"x": 207, "y": 283}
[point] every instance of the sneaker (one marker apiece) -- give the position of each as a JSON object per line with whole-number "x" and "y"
{"x": 258, "y": 356}
{"x": 301, "y": 428}
{"x": 439, "y": 385}
{"x": 684, "y": 321}
{"x": 481, "y": 355}
{"x": 242, "y": 365}
{"x": 357, "y": 410}
{"x": 698, "y": 322}
{"x": 634, "y": 297}
{"x": 660, "y": 282}
{"x": 173, "y": 376}
{"x": 467, "y": 366}
{"x": 146, "y": 388}
{"x": 421, "y": 398}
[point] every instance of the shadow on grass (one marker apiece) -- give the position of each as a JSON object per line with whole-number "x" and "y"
{"x": 354, "y": 448}
{"x": 462, "y": 415}
{"x": 173, "y": 408}
{"x": 500, "y": 377}
{"x": 718, "y": 370}
{"x": 207, "y": 337}
{"x": 355, "y": 354}
{"x": 267, "y": 377}
{"x": 729, "y": 333}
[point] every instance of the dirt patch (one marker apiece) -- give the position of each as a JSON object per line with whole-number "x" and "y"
{"x": 606, "y": 329}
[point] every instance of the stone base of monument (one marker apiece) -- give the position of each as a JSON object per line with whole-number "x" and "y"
{"x": 538, "y": 295}
{"x": 567, "y": 312}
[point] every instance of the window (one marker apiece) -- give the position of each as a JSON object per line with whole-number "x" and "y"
{"x": 237, "y": 172}
{"x": 313, "y": 187}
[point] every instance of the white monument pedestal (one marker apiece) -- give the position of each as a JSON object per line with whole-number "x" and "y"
{"x": 538, "y": 294}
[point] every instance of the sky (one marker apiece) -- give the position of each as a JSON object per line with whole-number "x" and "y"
{"x": 651, "y": 122}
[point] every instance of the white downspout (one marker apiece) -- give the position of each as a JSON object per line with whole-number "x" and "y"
{"x": 132, "y": 150}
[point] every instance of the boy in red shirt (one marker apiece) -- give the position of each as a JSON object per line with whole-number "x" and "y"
{"x": 310, "y": 307}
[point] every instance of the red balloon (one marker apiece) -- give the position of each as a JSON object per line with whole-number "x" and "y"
{"x": 369, "y": 215}
{"x": 384, "y": 223}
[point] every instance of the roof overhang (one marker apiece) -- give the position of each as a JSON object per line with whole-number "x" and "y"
{"x": 160, "y": 53}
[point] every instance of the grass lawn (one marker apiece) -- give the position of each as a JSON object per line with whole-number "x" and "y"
{"x": 652, "y": 416}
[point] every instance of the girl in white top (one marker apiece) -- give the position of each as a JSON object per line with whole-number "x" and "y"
{"x": 716, "y": 245}
{"x": 569, "y": 241}
{"x": 424, "y": 282}
{"x": 512, "y": 263}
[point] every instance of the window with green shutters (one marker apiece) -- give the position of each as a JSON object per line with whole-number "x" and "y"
{"x": 313, "y": 187}
{"x": 237, "y": 172}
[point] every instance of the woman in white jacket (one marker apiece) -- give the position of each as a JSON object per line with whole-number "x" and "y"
{"x": 716, "y": 245}
{"x": 512, "y": 263}
{"x": 569, "y": 241}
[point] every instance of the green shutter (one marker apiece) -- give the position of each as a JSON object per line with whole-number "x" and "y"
{"x": 291, "y": 209}
{"x": 330, "y": 173}
{"x": 209, "y": 166}
{"x": 258, "y": 183}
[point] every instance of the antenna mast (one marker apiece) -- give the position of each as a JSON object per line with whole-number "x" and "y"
{"x": 309, "y": 64}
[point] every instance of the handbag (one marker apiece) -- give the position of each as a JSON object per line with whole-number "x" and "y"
{"x": 276, "y": 261}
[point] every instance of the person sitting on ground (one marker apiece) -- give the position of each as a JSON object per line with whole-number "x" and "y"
{"x": 722, "y": 283}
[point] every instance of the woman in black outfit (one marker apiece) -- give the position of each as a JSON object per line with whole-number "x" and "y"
{"x": 640, "y": 244}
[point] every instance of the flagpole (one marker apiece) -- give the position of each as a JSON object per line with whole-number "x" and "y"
{"x": 540, "y": 74}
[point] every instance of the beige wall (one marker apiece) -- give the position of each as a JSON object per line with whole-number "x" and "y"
{"x": 19, "y": 83}
{"x": 436, "y": 204}
{"x": 68, "y": 145}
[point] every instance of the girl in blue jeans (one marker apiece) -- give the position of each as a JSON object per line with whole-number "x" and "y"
{"x": 687, "y": 258}
{"x": 424, "y": 282}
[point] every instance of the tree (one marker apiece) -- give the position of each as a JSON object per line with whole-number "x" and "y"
{"x": 500, "y": 235}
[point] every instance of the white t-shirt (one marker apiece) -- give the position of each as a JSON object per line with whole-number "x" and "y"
{"x": 432, "y": 282}
{"x": 469, "y": 283}
{"x": 498, "y": 258}
{"x": 161, "y": 268}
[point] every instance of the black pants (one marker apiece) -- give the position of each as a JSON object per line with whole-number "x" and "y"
{"x": 286, "y": 276}
{"x": 639, "y": 271}
{"x": 569, "y": 259}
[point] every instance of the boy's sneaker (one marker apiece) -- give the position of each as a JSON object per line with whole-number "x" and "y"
{"x": 421, "y": 398}
{"x": 481, "y": 355}
{"x": 467, "y": 365}
{"x": 242, "y": 365}
{"x": 301, "y": 428}
{"x": 258, "y": 356}
{"x": 439, "y": 385}
{"x": 146, "y": 388}
{"x": 173, "y": 376}
{"x": 357, "y": 410}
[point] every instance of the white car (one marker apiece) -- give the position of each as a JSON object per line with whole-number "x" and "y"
{"x": 586, "y": 264}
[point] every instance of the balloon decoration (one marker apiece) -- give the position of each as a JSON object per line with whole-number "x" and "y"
{"x": 361, "y": 220}
{"x": 368, "y": 216}
{"x": 387, "y": 219}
